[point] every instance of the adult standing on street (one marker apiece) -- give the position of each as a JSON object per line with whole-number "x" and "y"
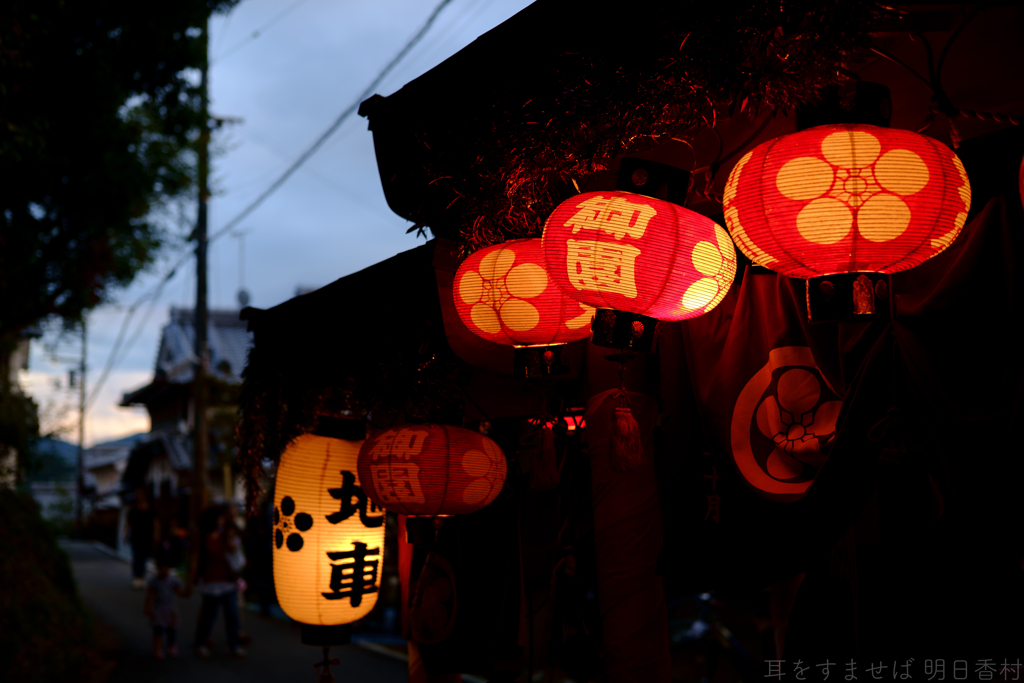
{"x": 141, "y": 532}
{"x": 218, "y": 583}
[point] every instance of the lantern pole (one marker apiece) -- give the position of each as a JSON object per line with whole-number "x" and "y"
{"x": 201, "y": 316}
{"x": 325, "y": 675}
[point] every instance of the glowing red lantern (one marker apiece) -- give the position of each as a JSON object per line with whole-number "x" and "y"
{"x": 503, "y": 294}
{"x": 430, "y": 469}
{"x": 844, "y": 199}
{"x": 639, "y": 254}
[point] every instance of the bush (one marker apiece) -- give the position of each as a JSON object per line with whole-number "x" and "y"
{"x": 47, "y": 632}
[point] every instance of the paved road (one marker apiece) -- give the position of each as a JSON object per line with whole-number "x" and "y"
{"x": 276, "y": 652}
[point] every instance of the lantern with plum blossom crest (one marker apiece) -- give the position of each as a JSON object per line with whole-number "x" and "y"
{"x": 503, "y": 294}
{"x": 844, "y": 199}
{"x": 431, "y": 470}
{"x": 328, "y": 537}
{"x": 639, "y": 254}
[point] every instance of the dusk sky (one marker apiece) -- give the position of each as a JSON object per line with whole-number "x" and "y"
{"x": 311, "y": 60}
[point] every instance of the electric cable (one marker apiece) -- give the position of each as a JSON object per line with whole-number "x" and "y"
{"x": 348, "y": 111}
{"x": 255, "y": 34}
{"x": 154, "y": 293}
{"x": 429, "y": 50}
{"x": 113, "y": 359}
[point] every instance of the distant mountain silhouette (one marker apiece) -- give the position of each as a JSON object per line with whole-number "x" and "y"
{"x": 53, "y": 460}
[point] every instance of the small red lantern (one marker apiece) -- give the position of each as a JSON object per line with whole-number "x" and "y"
{"x": 845, "y": 199}
{"x": 634, "y": 253}
{"x": 503, "y": 294}
{"x": 431, "y": 470}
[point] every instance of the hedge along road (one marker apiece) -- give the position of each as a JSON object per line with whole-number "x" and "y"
{"x": 275, "y": 654}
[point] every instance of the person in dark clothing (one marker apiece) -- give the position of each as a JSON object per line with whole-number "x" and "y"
{"x": 162, "y": 608}
{"x": 259, "y": 542}
{"x": 218, "y": 586}
{"x": 141, "y": 523}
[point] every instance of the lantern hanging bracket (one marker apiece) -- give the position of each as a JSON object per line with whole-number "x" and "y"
{"x": 533, "y": 362}
{"x": 848, "y": 297}
{"x": 654, "y": 179}
{"x": 422, "y": 530}
{"x": 325, "y": 675}
{"x": 621, "y": 359}
{"x": 626, "y": 448}
{"x": 629, "y": 332}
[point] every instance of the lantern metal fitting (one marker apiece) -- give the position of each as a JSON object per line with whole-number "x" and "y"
{"x": 654, "y": 179}
{"x": 532, "y": 362}
{"x": 848, "y": 297}
{"x": 326, "y": 636}
{"x": 422, "y": 531}
{"x": 860, "y": 102}
{"x": 349, "y": 429}
{"x": 623, "y": 330}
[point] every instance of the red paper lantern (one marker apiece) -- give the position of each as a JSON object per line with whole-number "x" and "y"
{"x": 430, "y": 469}
{"x": 638, "y": 254}
{"x": 503, "y": 294}
{"x": 844, "y": 199}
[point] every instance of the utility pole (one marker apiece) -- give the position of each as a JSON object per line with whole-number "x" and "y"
{"x": 79, "y": 521}
{"x": 199, "y": 397}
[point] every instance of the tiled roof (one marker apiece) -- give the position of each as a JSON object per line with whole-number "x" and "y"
{"x": 177, "y": 448}
{"x": 229, "y": 343}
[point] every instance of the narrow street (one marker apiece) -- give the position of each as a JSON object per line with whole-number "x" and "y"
{"x": 275, "y": 654}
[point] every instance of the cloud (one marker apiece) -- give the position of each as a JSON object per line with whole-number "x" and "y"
{"x": 59, "y": 405}
{"x": 329, "y": 220}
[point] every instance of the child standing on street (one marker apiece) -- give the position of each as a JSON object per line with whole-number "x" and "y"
{"x": 161, "y": 607}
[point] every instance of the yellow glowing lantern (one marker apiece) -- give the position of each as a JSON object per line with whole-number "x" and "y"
{"x": 328, "y": 536}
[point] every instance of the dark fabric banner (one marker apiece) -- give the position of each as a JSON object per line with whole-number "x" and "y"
{"x": 772, "y": 390}
{"x": 781, "y": 436}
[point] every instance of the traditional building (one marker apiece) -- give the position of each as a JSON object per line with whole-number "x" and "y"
{"x": 860, "y": 470}
{"x": 163, "y": 461}
{"x": 105, "y": 464}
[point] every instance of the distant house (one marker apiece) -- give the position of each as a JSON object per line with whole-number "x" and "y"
{"x": 105, "y": 464}
{"x": 53, "y": 479}
{"x": 162, "y": 462}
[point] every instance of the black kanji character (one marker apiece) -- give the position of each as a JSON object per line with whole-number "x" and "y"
{"x": 345, "y": 494}
{"x": 361, "y": 581}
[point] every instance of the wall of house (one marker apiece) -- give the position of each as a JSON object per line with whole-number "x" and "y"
{"x": 171, "y": 411}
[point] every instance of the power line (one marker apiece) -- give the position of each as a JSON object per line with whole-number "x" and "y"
{"x": 257, "y": 33}
{"x": 437, "y": 46}
{"x": 113, "y": 359}
{"x": 153, "y": 295}
{"x": 348, "y": 111}
{"x": 224, "y": 32}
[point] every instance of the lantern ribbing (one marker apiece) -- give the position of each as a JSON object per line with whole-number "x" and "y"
{"x": 504, "y": 294}
{"x": 846, "y": 198}
{"x": 430, "y": 469}
{"x": 634, "y": 253}
{"x": 328, "y": 536}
